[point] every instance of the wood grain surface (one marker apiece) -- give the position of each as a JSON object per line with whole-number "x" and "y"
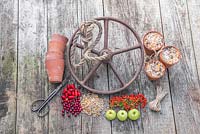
{"x": 26, "y": 27}
{"x": 8, "y": 65}
{"x": 62, "y": 19}
{"x": 184, "y": 79}
{"x": 32, "y": 44}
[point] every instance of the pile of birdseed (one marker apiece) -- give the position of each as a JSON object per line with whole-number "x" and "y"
{"x": 170, "y": 55}
{"x": 92, "y": 104}
{"x": 155, "y": 69}
{"x": 153, "y": 41}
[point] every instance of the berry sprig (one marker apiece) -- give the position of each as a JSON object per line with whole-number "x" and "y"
{"x": 128, "y": 102}
{"x": 71, "y": 101}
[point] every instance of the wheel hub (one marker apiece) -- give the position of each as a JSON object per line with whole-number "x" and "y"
{"x": 108, "y": 52}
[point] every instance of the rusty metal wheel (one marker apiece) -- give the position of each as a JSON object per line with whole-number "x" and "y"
{"x": 107, "y": 61}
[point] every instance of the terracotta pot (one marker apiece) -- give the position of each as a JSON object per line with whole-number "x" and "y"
{"x": 154, "y": 69}
{"x": 153, "y": 41}
{"x": 56, "y": 46}
{"x": 170, "y": 55}
{"x": 54, "y": 55}
{"x": 55, "y": 70}
{"x": 60, "y": 38}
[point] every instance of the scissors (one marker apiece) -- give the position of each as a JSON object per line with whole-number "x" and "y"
{"x": 41, "y": 106}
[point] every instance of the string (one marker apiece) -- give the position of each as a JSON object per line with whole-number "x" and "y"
{"x": 155, "y": 105}
{"x": 86, "y": 35}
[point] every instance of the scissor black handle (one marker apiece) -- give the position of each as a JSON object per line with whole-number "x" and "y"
{"x": 36, "y": 105}
{"x": 41, "y": 106}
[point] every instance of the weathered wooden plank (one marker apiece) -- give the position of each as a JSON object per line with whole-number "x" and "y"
{"x": 31, "y": 73}
{"x": 184, "y": 79}
{"x": 62, "y": 19}
{"x": 8, "y": 65}
{"x": 194, "y": 19}
{"x": 143, "y": 16}
{"x": 194, "y": 16}
{"x": 88, "y": 10}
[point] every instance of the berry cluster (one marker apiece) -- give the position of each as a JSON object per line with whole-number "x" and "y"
{"x": 128, "y": 102}
{"x": 71, "y": 101}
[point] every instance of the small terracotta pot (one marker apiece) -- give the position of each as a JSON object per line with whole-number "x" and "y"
{"x": 154, "y": 69}
{"x": 56, "y": 46}
{"x": 171, "y": 57}
{"x": 153, "y": 41}
{"x": 60, "y": 38}
{"x": 55, "y": 70}
{"x": 54, "y": 55}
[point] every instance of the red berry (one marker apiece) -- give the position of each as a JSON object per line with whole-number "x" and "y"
{"x": 68, "y": 86}
{"x": 71, "y": 89}
{"x": 66, "y": 94}
{"x": 70, "y": 97}
{"x": 69, "y": 92}
{"x": 72, "y": 86}
{"x": 63, "y": 97}
{"x": 64, "y": 90}
{"x": 78, "y": 86}
{"x": 73, "y": 93}
{"x": 78, "y": 94}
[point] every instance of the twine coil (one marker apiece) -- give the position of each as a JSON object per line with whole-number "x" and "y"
{"x": 155, "y": 104}
{"x": 86, "y": 35}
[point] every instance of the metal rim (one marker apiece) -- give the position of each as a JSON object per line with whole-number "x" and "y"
{"x": 125, "y": 85}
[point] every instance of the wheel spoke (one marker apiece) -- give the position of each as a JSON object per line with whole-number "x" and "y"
{"x": 91, "y": 72}
{"x": 105, "y": 34}
{"x": 126, "y": 49}
{"x": 93, "y": 50}
{"x": 116, "y": 73}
